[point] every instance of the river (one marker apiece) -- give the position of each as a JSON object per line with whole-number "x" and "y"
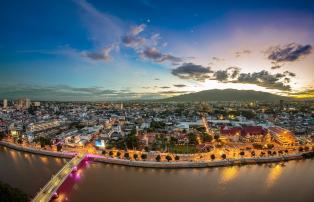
{"x": 293, "y": 181}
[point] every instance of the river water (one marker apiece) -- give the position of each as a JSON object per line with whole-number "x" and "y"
{"x": 293, "y": 181}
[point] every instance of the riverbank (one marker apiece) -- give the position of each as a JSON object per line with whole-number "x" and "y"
{"x": 154, "y": 164}
{"x": 37, "y": 151}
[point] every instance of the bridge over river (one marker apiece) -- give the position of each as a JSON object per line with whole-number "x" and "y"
{"x": 50, "y": 189}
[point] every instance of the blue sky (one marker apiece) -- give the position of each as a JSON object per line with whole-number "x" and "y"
{"x": 142, "y": 49}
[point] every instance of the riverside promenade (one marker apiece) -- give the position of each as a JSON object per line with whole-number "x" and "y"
{"x": 50, "y": 189}
{"x": 154, "y": 164}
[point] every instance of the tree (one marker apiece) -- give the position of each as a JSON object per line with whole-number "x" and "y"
{"x": 274, "y": 153}
{"x": 177, "y": 158}
{"x": 300, "y": 149}
{"x": 135, "y": 156}
{"x": 158, "y": 157}
{"x": 286, "y": 151}
{"x": 262, "y": 154}
{"x": 280, "y": 152}
{"x": 242, "y": 154}
{"x": 144, "y": 156}
{"x": 257, "y": 146}
{"x": 212, "y": 157}
{"x": 111, "y": 153}
{"x": 270, "y": 146}
{"x": 131, "y": 140}
{"x": 192, "y": 138}
{"x": 269, "y": 153}
{"x": 223, "y": 156}
{"x": 1, "y": 136}
{"x": 169, "y": 158}
{"x": 206, "y": 137}
{"x": 253, "y": 153}
{"x": 59, "y": 147}
{"x": 20, "y": 141}
{"x": 126, "y": 155}
{"x": 118, "y": 154}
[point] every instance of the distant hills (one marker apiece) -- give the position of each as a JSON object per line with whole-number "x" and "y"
{"x": 228, "y": 95}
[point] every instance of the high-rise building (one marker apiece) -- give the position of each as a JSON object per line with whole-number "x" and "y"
{"x": 5, "y": 103}
{"x": 27, "y": 103}
{"x": 37, "y": 104}
{"x": 24, "y": 103}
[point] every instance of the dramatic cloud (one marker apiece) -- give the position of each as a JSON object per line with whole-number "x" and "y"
{"x": 275, "y": 66}
{"x": 192, "y": 71}
{"x": 105, "y": 55}
{"x": 266, "y": 79}
{"x": 306, "y": 93}
{"x": 132, "y": 40}
{"x": 146, "y": 48}
{"x": 241, "y": 53}
{"x": 226, "y": 75}
{"x": 179, "y": 85}
{"x": 217, "y": 59}
{"x": 287, "y": 53}
{"x": 279, "y": 81}
{"x": 155, "y": 55}
{"x": 137, "y": 29}
{"x": 221, "y": 75}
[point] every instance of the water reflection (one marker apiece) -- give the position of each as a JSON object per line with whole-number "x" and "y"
{"x": 44, "y": 159}
{"x": 228, "y": 174}
{"x": 273, "y": 175}
{"x": 26, "y": 171}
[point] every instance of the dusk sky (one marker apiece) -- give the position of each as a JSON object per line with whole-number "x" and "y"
{"x": 144, "y": 49}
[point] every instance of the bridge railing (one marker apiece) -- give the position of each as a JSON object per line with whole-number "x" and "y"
{"x": 48, "y": 190}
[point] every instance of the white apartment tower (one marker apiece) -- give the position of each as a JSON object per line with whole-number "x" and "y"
{"x": 5, "y": 103}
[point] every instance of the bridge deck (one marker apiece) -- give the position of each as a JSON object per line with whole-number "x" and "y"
{"x": 46, "y": 193}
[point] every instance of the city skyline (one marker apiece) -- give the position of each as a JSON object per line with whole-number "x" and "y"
{"x": 95, "y": 50}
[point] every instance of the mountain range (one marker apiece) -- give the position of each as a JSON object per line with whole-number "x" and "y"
{"x": 228, "y": 95}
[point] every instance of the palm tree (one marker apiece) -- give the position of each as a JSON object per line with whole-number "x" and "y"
{"x": 111, "y": 153}
{"x": 223, "y": 156}
{"x": 126, "y": 155}
{"x": 262, "y": 153}
{"x": 135, "y": 156}
{"x": 253, "y": 153}
{"x": 242, "y": 154}
{"x": 212, "y": 157}
{"x": 269, "y": 153}
{"x": 177, "y": 158}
